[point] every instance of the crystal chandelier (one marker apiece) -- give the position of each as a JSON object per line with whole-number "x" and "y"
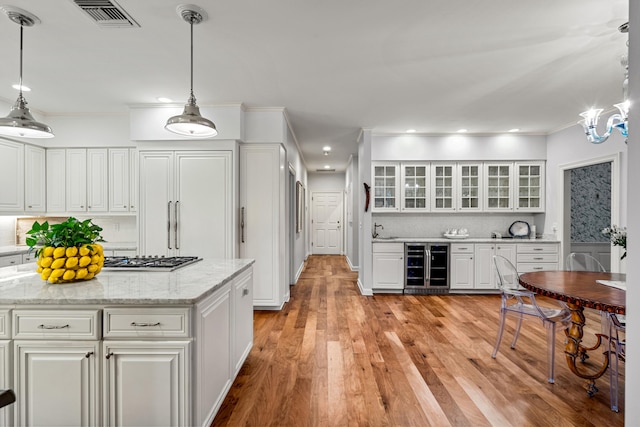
{"x": 616, "y": 121}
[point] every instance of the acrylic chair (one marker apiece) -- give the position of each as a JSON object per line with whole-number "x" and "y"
{"x": 521, "y": 302}
{"x": 583, "y": 262}
{"x": 617, "y": 344}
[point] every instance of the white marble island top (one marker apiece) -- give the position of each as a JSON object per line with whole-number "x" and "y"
{"x": 187, "y": 285}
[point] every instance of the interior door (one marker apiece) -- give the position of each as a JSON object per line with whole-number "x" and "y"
{"x": 327, "y": 222}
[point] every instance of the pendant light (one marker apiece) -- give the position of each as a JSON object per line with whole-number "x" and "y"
{"x": 190, "y": 122}
{"x": 20, "y": 122}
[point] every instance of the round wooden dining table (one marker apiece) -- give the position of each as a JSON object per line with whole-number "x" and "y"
{"x": 579, "y": 290}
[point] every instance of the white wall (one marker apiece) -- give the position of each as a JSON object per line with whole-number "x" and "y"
{"x": 299, "y": 239}
{"x": 632, "y": 409}
{"x": 365, "y": 262}
{"x": 326, "y": 181}
{"x": 89, "y": 131}
{"x": 354, "y": 189}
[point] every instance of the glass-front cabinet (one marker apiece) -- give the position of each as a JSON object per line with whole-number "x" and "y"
{"x": 415, "y": 187}
{"x": 530, "y": 186}
{"x": 385, "y": 195}
{"x": 443, "y": 187}
{"x": 469, "y": 186}
{"x": 498, "y": 186}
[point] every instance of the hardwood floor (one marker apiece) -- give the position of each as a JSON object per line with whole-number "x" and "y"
{"x": 333, "y": 357}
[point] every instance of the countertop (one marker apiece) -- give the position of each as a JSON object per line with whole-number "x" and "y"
{"x": 465, "y": 240}
{"x": 110, "y": 246}
{"x": 187, "y": 285}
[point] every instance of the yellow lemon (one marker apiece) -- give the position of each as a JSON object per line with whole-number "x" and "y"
{"x": 53, "y": 280}
{"x": 46, "y": 272}
{"x": 84, "y": 261}
{"x": 71, "y": 251}
{"x": 57, "y": 273}
{"x": 39, "y": 270}
{"x": 98, "y": 247}
{"x": 71, "y": 262}
{"x": 47, "y": 251}
{"x": 58, "y": 263}
{"x": 46, "y": 261}
{"x": 89, "y": 276}
{"x": 82, "y": 273}
{"x": 95, "y": 259}
{"x": 59, "y": 252}
{"x": 92, "y": 268}
{"x": 84, "y": 250}
{"x": 69, "y": 275}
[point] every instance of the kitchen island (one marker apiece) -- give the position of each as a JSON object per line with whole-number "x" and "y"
{"x": 126, "y": 348}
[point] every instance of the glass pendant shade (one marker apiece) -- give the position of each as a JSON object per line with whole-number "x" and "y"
{"x": 20, "y": 122}
{"x": 190, "y": 123}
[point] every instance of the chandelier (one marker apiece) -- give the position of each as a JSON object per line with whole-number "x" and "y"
{"x": 616, "y": 121}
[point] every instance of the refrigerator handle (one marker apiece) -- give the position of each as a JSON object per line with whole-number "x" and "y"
{"x": 427, "y": 268}
{"x": 175, "y": 225}
{"x": 169, "y": 225}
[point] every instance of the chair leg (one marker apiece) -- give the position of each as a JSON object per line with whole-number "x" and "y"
{"x": 613, "y": 367}
{"x": 517, "y": 332}
{"x": 551, "y": 349}
{"x": 503, "y": 315}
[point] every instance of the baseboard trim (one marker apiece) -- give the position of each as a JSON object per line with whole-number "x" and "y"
{"x": 351, "y": 266}
{"x": 363, "y": 291}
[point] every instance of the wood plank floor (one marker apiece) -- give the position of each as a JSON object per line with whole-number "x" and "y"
{"x": 332, "y": 357}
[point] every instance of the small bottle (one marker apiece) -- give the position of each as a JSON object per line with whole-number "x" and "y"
{"x": 532, "y": 234}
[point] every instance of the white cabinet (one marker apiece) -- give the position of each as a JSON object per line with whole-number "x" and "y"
{"x": 9, "y": 260}
{"x": 385, "y": 197}
{"x": 56, "y": 383}
{"x": 186, "y": 203}
{"x": 462, "y": 266}
{"x": 530, "y": 186}
{"x": 443, "y": 187}
{"x": 146, "y": 383}
{"x": 34, "y": 179}
{"x": 56, "y": 180}
{"x": 123, "y": 179}
{"x": 469, "y": 187}
{"x": 485, "y": 272}
{"x": 498, "y": 186}
{"x": 86, "y": 180}
{"x": 11, "y": 176}
{"x": 415, "y": 187}
{"x": 388, "y": 266}
{"x": 537, "y": 257}
{"x": 262, "y": 221}
{"x": 6, "y": 413}
{"x": 242, "y": 335}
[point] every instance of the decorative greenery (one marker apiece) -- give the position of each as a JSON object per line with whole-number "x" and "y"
{"x": 71, "y": 232}
{"x": 618, "y": 237}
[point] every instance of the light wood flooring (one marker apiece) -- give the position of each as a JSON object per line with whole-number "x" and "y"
{"x": 333, "y": 357}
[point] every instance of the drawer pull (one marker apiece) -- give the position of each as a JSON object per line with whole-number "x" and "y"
{"x": 538, "y": 258}
{"x": 88, "y": 355}
{"x": 537, "y": 249}
{"x": 463, "y": 249}
{"x": 144, "y": 324}
{"x": 52, "y": 326}
{"x": 537, "y": 268}
{"x": 245, "y": 291}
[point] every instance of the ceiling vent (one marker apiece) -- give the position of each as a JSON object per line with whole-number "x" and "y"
{"x": 325, "y": 170}
{"x": 106, "y": 13}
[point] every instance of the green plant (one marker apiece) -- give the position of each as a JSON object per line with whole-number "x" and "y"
{"x": 618, "y": 236}
{"x": 71, "y": 232}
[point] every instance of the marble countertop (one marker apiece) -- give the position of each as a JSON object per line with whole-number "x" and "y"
{"x": 465, "y": 240}
{"x": 187, "y": 285}
{"x": 110, "y": 246}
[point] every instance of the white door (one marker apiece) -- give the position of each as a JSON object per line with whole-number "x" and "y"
{"x": 76, "y": 179}
{"x": 327, "y": 222}
{"x": 97, "y": 180}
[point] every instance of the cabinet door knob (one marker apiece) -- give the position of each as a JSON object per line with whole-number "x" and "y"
{"x": 88, "y": 355}
{"x": 108, "y": 356}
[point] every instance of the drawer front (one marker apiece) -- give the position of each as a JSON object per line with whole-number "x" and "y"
{"x": 389, "y": 247}
{"x": 56, "y": 324}
{"x": 539, "y": 257}
{"x": 536, "y": 248}
{"x": 167, "y": 322}
{"x": 9, "y": 260}
{"x": 30, "y": 257}
{"x": 5, "y": 325}
{"x": 462, "y": 248}
{"x": 527, "y": 267}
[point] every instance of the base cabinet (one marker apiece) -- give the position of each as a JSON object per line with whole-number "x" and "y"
{"x": 145, "y": 383}
{"x": 388, "y": 266}
{"x": 6, "y": 413}
{"x": 56, "y": 383}
{"x": 485, "y": 270}
{"x": 462, "y": 266}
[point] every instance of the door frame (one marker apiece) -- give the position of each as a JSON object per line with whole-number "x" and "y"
{"x": 341, "y": 233}
{"x": 564, "y": 205}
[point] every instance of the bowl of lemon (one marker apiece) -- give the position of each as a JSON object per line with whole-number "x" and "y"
{"x": 67, "y": 252}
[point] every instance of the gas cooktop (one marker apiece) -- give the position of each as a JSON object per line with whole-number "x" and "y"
{"x": 147, "y": 263}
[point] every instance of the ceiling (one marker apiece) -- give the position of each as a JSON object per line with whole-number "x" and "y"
{"x": 336, "y": 66}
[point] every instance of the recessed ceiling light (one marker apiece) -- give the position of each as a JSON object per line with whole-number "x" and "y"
{"x": 514, "y": 130}
{"x": 163, "y": 99}
{"x": 462, "y": 130}
{"x": 326, "y": 148}
{"x": 327, "y": 167}
{"x": 24, "y": 88}
{"x": 411, "y": 131}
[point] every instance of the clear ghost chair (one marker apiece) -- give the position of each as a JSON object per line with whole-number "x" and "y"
{"x": 583, "y": 262}
{"x": 617, "y": 344}
{"x": 520, "y": 302}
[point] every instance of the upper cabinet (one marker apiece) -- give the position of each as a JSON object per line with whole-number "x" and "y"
{"x": 414, "y": 187}
{"x": 385, "y": 187}
{"x": 123, "y": 179}
{"x": 458, "y": 186}
{"x": 87, "y": 182}
{"x": 11, "y": 167}
{"x": 34, "y": 179}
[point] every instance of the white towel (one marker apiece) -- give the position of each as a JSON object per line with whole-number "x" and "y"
{"x": 618, "y": 284}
